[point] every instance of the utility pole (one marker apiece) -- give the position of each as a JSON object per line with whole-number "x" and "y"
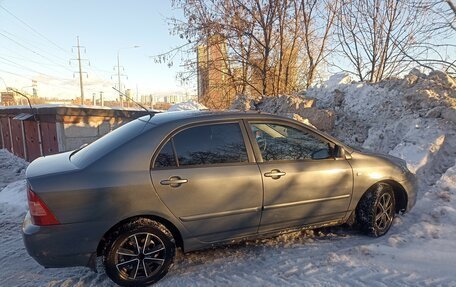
{"x": 80, "y": 68}
{"x": 119, "y": 75}
{"x": 118, "y": 79}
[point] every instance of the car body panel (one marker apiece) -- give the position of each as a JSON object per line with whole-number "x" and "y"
{"x": 370, "y": 168}
{"x": 215, "y": 203}
{"x": 310, "y": 192}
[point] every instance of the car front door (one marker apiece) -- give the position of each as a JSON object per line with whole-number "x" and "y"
{"x": 305, "y": 182}
{"x": 207, "y": 176}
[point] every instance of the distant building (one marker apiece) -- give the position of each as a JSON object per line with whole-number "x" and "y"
{"x": 215, "y": 86}
{"x": 7, "y": 99}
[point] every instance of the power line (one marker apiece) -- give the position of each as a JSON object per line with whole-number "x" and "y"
{"x": 18, "y": 65}
{"x": 9, "y": 62}
{"x": 47, "y": 65}
{"x": 31, "y": 79}
{"x": 33, "y": 29}
{"x": 34, "y": 44}
{"x": 27, "y": 48}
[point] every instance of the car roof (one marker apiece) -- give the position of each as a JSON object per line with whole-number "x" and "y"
{"x": 196, "y": 115}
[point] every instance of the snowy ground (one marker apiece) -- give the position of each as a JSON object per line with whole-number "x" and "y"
{"x": 419, "y": 250}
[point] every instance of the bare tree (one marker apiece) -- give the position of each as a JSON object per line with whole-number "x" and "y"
{"x": 266, "y": 47}
{"x": 317, "y": 20}
{"x": 381, "y": 39}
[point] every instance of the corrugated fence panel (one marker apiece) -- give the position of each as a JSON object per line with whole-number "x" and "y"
{"x": 49, "y": 138}
{"x": 32, "y": 140}
{"x": 6, "y": 133}
{"x": 18, "y": 143}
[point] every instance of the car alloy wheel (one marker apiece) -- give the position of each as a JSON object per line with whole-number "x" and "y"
{"x": 384, "y": 212}
{"x": 140, "y": 256}
{"x": 139, "y": 253}
{"x": 376, "y": 210}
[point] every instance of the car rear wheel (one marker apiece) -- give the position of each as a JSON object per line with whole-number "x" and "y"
{"x": 139, "y": 253}
{"x": 376, "y": 210}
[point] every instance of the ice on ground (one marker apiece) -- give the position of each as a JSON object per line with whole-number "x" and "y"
{"x": 184, "y": 106}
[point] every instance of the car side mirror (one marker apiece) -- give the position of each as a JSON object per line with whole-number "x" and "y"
{"x": 345, "y": 154}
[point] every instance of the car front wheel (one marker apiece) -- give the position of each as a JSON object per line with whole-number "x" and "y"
{"x": 376, "y": 210}
{"x": 139, "y": 253}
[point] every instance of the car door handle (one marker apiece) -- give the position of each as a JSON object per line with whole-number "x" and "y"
{"x": 173, "y": 181}
{"x": 275, "y": 174}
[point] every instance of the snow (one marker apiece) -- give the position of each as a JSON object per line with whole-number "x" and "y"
{"x": 408, "y": 118}
{"x": 184, "y": 106}
{"x": 13, "y": 199}
{"x": 336, "y": 80}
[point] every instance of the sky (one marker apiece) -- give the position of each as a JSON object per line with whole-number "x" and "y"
{"x": 36, "y": 39}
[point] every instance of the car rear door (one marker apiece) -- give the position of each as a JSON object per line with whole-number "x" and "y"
{"x": 207, "y": 176}
{"x": 304, "y": 182}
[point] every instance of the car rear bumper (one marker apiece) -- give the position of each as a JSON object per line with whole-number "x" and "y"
{"x": 63, "y": 245}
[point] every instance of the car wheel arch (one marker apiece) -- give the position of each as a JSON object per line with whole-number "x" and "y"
{"x": 400, "y": 194}
{"x": 166, "y": 223}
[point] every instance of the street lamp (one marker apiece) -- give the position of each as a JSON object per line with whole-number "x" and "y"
{"x": 118, "y": 71}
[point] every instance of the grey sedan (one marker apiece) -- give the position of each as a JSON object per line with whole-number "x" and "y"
{"x": 192, "y": 180}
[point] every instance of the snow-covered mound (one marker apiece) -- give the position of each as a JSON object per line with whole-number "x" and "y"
{"x": 292, "y": 106}
{"x": 13, "y": 198}
{"x": 12, "y": 168}
{"x": 185, "y": 106}
{"x": 412, "y": 118}
{"x": 338, "y": 79}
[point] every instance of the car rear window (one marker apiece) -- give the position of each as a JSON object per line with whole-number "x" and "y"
{"x": 107, "y": 143}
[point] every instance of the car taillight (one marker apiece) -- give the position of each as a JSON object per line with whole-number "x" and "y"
{"x": 40, "y": 213}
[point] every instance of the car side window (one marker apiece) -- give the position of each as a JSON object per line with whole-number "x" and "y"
{"x": 166, "y": 156}
{"x": 282, "y": 142}
{"x": 203, "y": 145}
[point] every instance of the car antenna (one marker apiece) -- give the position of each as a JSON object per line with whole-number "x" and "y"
{"x": 144, "y": 108}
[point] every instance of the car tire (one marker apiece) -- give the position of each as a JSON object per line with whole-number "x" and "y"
{"x": 139, "y": 253}
{"x": 376, "y": 210}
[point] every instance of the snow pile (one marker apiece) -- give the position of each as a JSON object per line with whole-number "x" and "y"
{"x": 292, "y": 106}
{"x": 337, "y": 79}
{"x": 13, "y": 196}
{"x": 12, "y": 168}
{"x": 411, "y": 118}
{"x": 185, "y": 106}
